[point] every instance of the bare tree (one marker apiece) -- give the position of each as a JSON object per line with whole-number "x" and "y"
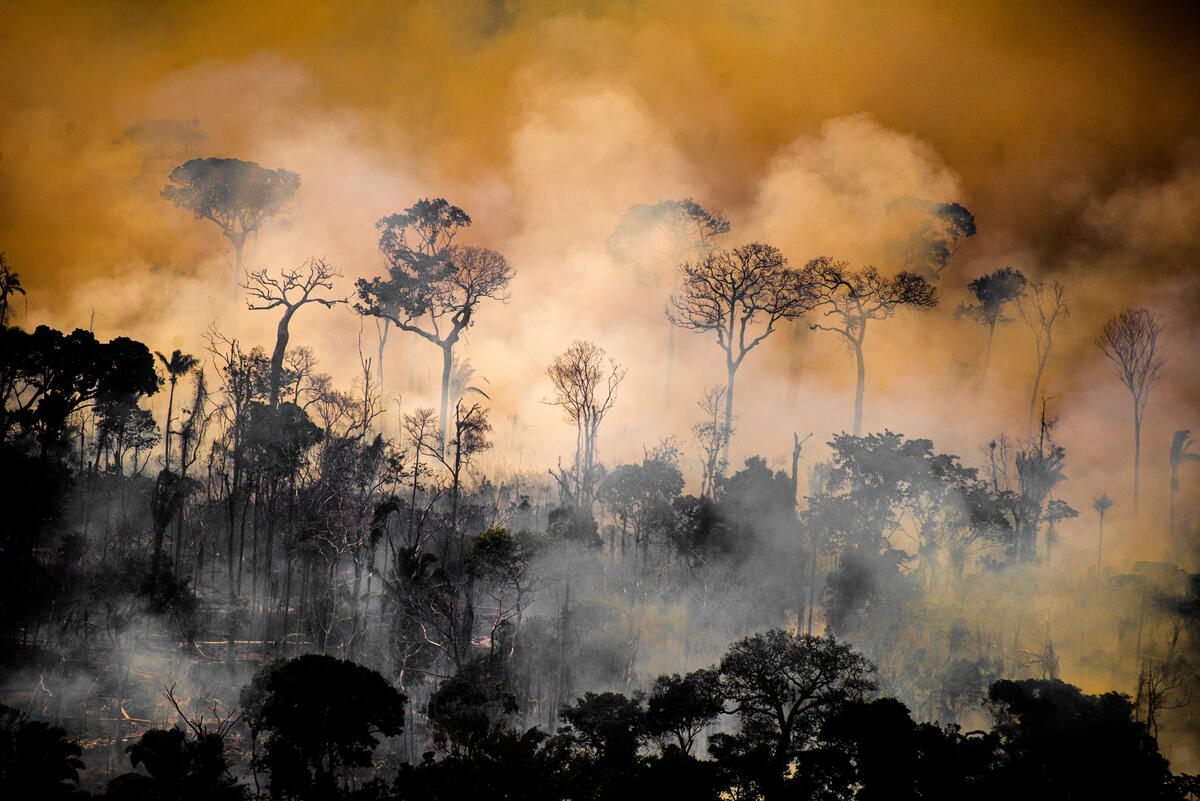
{"x": 289, "y": 291}
{"x": 993, "y": 292}
{"x": 1040, "y": 308}
{"x": 433, "y": 286}
{"x": 713, "y": 435}
{"x": 1130, "y": 341}
{"x": 585, "y": 387}
{"x": 740, "y": 295}
{"x": 239, "y": 196}
{"x": 852, "y": 299}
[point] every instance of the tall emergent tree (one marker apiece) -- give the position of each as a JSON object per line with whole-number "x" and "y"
{"x": 1040, "y": 308}
{"x": 740, "y": 295}
{"x": 180, "y": 364}
{"x": 433, "y": 286}
{"x": 852, "y": 299}
{"x": 290, "y": 290}
{"x": 239, "y": 196}
{"x": 992, "y": 292}
{"x": 651, "y": 239}
{"x": 586, "y": 389}
{"x": 1130, "y": 341}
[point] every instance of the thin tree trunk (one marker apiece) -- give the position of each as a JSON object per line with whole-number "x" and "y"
{"x": 447, "y": 351}
{"x": 167, "y": 429}
{"x": 987, "y": 356}
{"x": 1137, "y": 453}
{"x": 281, "y": 341}
{"x": 859, "y": 385}
{"x": 732, "y": 366}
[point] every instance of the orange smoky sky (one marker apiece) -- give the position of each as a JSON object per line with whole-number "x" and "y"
{"x": 1069, "y": 129}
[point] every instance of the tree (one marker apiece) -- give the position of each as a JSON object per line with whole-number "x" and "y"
{"x": 783, "y": 687}
{"x": 433, "y": 287}
{"x": 992, "y": 293}
{"x": 1130, "y": 341}
{"x": 320, "y": 715}
{"x": 180, "y": 364}
{"x": 1180, "y": 453}
{"x": 1101, "y": 504}
{"x": 740, "y": 295}
{"x": 585, "y": 388}
{"x": 713, "y": 435}
{"x": 291, "y": 290}
{"x": 36, "y": 759}
{"x": 682, "y": 706}
{"x": 10, "y": 285}
{"x": 653, "y": 238}
{"x": 941, "y": 229}
{"x": 239, "y": 196}
{"x": 1040, "y": 308}
{"x": 852, "y": 299}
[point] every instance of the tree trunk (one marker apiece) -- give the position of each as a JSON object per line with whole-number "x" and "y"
{"x": 167, "y": 428}
{"x": 281, "y": 341}
{"x": 729, "y": 410}
{"x": 859, "y": 384}
{"x": 987, "y": 356}
{"x": 1037, "y": 381}
{"x": 447, "y": 351}
{"x": 1137, "y": 453}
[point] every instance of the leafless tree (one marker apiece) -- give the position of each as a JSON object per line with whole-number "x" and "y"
{"x": 852, "y": 299}
{"x": 1180, "y": 453}
{"x": 740, "y": 295}
{"x": 713, "y": 435}
{"x": 585, "y": 387}
{"x": 1130, "y": 340}
{"x": 1040, "y": 308}
{"x": 289, "y": 291}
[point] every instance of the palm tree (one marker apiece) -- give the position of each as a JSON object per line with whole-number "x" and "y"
{"x": 1180, "y": 444}
{"x": 10, "y": 284}
{"x": 179, "y": 365}
{"x": 1101, "y": 505}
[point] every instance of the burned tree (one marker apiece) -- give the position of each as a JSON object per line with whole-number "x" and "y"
{"x": 1040, "y": 308}
{"x": 740, "y": 295}
{"x": 239, "y": 196}
{"x": 433, "y": 287}
{"x": 852, "y": 299}
{"x": 1180, "y": 453}
{"x": 1130, "y": 341}
{"x": 992, "y": 293}
{"x": 586, "y": 389}
{"x": 289, "y": 291}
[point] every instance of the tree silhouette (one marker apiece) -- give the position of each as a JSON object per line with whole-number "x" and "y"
{"x": 433, "y": 287}
{"x": 783, "y": 687}
{"x": 1181, "y": 442}
{"x": 992, "y": 293}
{"x": 1101, "y": 504}
{"x": 320, "y": 715}
{"x": 239, "y": 196}
{"x": 941, "y": 230}
{"x": 653, "y": 238}
{"x": 1040, "y": 308}
{"x": 852, "y": 299}
{"x": 180, "y": 364}
{"x": 36, "y": 759}
{"x": 10, "y": 285}
{"x": 585, "y": 388}
{"x": 739, "y": 295}
{"x": 1130, "y": 341}
{"x": 290, "y": 290}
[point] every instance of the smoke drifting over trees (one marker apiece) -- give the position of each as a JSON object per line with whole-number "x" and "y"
{"x": 549, "y": 558}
